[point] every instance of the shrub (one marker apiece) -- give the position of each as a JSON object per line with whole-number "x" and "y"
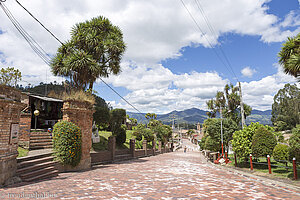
{"x": 211, "y": 144}
{"x": 67, "y": 143}
{"x": 242, "y": 140}
{"x": 281, "y": 152}
{"x": 263, "y": 142}
{"x": 294, "y": 143}
{"x": 120, "y": 133}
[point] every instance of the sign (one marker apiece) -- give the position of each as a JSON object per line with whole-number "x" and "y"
{"x": 14, "y": 133}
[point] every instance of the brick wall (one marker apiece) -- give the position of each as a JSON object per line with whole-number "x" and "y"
{"x": 10, "y": 108}
{"x": 25, "y": 125}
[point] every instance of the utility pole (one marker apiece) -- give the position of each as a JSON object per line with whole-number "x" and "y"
{"x": 242, "y": 107}
{"x": 222, "y": 132}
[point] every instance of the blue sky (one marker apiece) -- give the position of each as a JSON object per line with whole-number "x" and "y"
{"x": 168, "y": 64}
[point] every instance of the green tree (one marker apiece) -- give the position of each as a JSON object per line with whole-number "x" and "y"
{"x": 211, "y": 144}
{"x": 286, "y": 107}
{"x": 102, "y": 113}
{"x": 289, "y": 56}
{"x": 150, "y": 116}
{"x": 242, "y": 140}
{"x": 263, "y": 142}
{"x": 212, "y": 128}
{"x": 10, "y": 76}
{"x": 294, "y": 143}
{"x": 281, "y": 153}
{"x": 94, "y": 50}
{"x": 227, "y": 102}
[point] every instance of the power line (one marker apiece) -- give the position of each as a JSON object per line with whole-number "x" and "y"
{"x": 210, "y": 44}
{"x": 40, "y": 54}
{"x": 215, "y": 35}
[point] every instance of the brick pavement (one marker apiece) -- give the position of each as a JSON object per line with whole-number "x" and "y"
{"x": 174, "y": 175}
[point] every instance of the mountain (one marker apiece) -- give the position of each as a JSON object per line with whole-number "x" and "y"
{"x": 195, "y": 115}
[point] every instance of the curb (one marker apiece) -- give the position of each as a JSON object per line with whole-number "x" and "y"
{"x": 264, "y": 180}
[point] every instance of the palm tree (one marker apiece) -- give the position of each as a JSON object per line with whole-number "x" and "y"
{"x": 289, "y": 56}
{"x": 94, "y": 50}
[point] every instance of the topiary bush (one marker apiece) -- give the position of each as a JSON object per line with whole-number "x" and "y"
{"x": 120, "y": 133}
{"x": 67, "y": 143}
{"x": 294, "y": 143}
{"x": 281, "y": 153}
{"x": 263, "y": 142}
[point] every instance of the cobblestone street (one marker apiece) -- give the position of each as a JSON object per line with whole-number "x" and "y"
{"x": 174, "y": 175}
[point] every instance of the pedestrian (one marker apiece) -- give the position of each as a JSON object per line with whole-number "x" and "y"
{"x": 184, "y": 149}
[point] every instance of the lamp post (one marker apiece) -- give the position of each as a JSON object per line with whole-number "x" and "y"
{"x": 36, "y": 113}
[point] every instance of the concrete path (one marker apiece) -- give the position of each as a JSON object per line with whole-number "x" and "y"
{"x": 176, "y": 175}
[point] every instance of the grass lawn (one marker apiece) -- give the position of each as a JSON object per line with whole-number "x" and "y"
{"x": 22, "y": 152}
{"x": 262, "y": 168}
{"x": 103, "y": 144}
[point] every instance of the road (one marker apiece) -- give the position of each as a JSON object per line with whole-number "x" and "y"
{"x": 176, "y": 175}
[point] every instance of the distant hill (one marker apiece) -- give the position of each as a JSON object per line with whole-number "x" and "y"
{"x": 195, "y": 115}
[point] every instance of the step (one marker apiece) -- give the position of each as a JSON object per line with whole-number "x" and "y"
{"x": 40, "y": 135}
{"x": 40, "y": 144}
{"x": 41, "y": 147}
{"x": 42, "y": 176}
{"x": 40, "y": 141}
{"x": 36, "y": 137}
{"x": 27, "y": 158}
{"x": 35, "y": 167}
{"x": 34, "y": 162}
{"x": 36, "y": 173}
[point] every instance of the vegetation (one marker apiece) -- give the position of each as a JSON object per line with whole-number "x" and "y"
{"x": 263, "y": 142}
{"x": 286, "y": 108}
{"x": 211, "y": 144}
{"x": 101, "y": 115}
{"x": 212, "y": 128}
{"x": 281, "y": 153}
{"x": 141, "y": 133}
{"x": 67, "y": 143}
{"x": 228, "y": 103}
{"x": 289, "y": 56}
{"x": 22, "y": 152}
{"x": 10, "y": 76}
{"x": 242, "y": 140}
{"x": 294, "y": 143}
{"x": 94, "y": 50}
{"x": 117, "y": 118}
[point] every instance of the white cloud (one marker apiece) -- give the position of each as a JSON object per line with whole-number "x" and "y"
{"x": 153, "y": 30}
{"x": 248, "y": 72}
{"x": 259, "y": 94}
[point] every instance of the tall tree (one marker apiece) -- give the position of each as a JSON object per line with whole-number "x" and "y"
{"x": 227, "y": 102}
{"x": 289, "y": 56}
{"x": 10, "y": 76}
{"x": 94, "y": 50}
{"x": 286, "y": 107}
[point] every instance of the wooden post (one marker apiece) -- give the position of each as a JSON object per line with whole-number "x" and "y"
{"x": 295, "y": 169}
{"x": 251, "y": 164}
{"x": 269, "y": 164}
{"x": 145, "y": 146}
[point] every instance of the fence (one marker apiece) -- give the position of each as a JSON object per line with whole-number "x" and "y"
{"x": 253, "y": 160}
{"x": 112, "y": 154}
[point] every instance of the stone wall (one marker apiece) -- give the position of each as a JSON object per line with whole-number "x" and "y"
{"x": 81, "y": 114}
{"x": 10, "y": 108}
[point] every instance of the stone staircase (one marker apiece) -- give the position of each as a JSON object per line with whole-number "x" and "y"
{"x": 40, "y": 140}
{"x": 32, "y": 168}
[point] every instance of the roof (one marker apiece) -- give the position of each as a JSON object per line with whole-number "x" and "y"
{"x": 46, "y": 98}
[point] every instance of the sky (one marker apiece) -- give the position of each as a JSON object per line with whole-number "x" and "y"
{"x": 171, "y": 62}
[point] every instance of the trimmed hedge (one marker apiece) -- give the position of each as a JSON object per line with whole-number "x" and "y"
{"x": 67, "y": 143}
{"x": 263, "y": 142}
{"x": 281, "y": 152}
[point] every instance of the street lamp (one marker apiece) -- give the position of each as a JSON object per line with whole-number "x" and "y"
{"x": 36, "y": 113}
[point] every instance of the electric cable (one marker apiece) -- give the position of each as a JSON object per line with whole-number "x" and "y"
{"x": 45, "y": 60}
{"x": 210, "y": 44}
